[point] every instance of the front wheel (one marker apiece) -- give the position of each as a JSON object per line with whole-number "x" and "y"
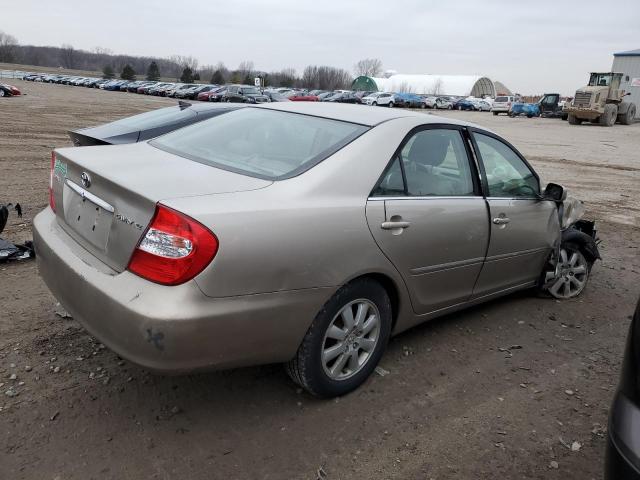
{"x": 566, "y": 277}
{"x": 345, "y": 341}
{"x": 390, "y": 104}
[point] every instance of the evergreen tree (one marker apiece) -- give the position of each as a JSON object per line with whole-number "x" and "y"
{"x": 217, "y": 78}
{"x": 187, "y": 75}
{"x": 107, "y": 72}
{"x": 153, "y": 72}
{"x": 128, "y": 73}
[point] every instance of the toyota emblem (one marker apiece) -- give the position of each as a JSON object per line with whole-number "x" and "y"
{"x": 86, "y": 180}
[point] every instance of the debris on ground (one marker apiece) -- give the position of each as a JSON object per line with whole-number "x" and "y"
{"x": 381, "y": 371}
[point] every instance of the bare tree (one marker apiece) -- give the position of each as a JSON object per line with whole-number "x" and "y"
{"x": 370, "y": 67}
{"x": 185, "y": 62}
{"x": 405, "y": 87}
{"x": 245, "y": 67}
{"x": 437, "y": 88}
{"x": 325, "y": 78}
{"x": 68, "y": 56}
{"x": 102, "y": 51}
{"x": 8, "y": 47}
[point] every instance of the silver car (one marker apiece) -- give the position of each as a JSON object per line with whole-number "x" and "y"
{"x": 303, "y": 233}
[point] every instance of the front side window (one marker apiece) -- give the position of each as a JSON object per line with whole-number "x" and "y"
{"x": 507, "y": 175}
{"x": 261, "y": 142}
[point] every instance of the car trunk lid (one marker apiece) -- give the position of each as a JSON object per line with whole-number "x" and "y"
{"x": 106, "y": 196}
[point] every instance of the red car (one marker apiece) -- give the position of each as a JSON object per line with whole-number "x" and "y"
{"x": 205, "y": 96}
{"x": 301, "y": 97}
{"x": 8, "y": 90}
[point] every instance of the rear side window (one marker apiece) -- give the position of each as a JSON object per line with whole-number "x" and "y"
{"x": 260, "y": 142}
{"x": 435, "y": 163}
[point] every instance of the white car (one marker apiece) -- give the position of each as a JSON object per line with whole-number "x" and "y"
{"x": 430, "y": 102}
{"x": 443, "y": 103}
{"x": 483, "y": 106}
{"x": 502, "y": 104}
{"x": 380, "y": 98}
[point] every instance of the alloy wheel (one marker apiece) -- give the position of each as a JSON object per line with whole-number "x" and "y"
{"x": 571, "y": 278}
{"x": 350, "y": 339}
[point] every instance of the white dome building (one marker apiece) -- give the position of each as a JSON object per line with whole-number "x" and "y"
{"x": 455, "y": 85}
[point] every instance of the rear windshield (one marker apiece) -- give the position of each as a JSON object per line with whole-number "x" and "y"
{"x": 502, "y": 99}
{"x": 260, "y": 142}
{"x": 155, "y": 118}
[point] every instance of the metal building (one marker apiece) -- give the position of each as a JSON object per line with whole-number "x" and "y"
{"x": 628, "y": 63}
{"x": 456, "y": 85}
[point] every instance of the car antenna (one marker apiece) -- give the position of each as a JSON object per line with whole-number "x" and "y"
{"x": 183, "y": 105}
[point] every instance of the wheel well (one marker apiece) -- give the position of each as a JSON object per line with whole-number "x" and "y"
{"x": 392, "y": 290}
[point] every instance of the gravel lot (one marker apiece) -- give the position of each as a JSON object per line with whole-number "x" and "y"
{"x": 499, "y": 391}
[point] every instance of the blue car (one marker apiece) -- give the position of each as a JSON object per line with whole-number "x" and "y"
{"x": 528, "y": 109}
{"x": 409, "y": 100}
{"x": 465, "y": 104}
{"x": 115, "y": 85}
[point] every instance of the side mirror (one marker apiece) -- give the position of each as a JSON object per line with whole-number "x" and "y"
{"x": 554, "y": 192}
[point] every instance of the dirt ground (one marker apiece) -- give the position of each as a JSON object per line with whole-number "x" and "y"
{"x": 499, "y": 391}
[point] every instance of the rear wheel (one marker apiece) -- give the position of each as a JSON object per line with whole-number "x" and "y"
{"x": 375, "y": 104}
{"x": 608, "y": 118}
{"x": 423, "y": 105}
{"x": 495, "y": 113}
{"x": 629, "y": 117}
{"x": 1, "y": 92}
{"x": 390, "y": 104}
{"x": 573, "y": 120}
{"x": 345, "y": 341}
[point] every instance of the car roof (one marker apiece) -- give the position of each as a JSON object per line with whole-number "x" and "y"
{"x": 363, "y": 115}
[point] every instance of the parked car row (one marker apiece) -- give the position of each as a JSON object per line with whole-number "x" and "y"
{"x": 252, "y": 94}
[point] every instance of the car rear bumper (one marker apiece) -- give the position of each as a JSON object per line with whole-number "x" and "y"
{"x": 170, "y": 329}
{"x": 623, "y": 443}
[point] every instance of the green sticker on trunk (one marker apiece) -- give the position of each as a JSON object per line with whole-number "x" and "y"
{"x": 60, "y": 169}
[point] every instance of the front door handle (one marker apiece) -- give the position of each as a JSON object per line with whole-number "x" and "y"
{"x": 394, "y": 225}
{"x": 501, "y": 220}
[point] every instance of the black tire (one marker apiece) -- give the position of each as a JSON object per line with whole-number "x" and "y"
{"x": 375, "y": 104}
{"x": 495, "y": 114}
{"x": 423, "y": 106}
{"x": 629, "y": 117}
{"x": 390, "y": 104}
{"x": 608, "y": 118}
{"x": 573, "y": 120}
{"x": 306, "y": 368}
{"x": 2, "y": 93}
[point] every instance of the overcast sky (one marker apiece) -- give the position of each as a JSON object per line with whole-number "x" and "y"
{"x": 531, "y": 46}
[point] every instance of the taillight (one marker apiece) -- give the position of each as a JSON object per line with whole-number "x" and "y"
{"x": 175, "y": 248}
{"x": 52, "y": 200}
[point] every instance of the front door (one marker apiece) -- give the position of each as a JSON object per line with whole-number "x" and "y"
{"x": 428, "y": 217}
{"x": 523, "y": 227}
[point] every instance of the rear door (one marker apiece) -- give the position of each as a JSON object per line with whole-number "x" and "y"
{"x": 428, "y": 217}
{"x": 523, "y": 227}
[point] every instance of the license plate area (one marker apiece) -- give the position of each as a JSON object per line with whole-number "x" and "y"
{"x": 88, "y": 215}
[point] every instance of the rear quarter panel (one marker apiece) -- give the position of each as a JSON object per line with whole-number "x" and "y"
{"x": 305, "y": 232}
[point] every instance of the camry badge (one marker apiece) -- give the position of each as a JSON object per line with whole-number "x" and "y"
{"x": 86, "y": 180}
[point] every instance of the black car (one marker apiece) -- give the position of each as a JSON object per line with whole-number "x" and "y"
{"x": 345, "y": 97}
{"x": 243, "y": 94}
{"x": 550, "y": 106}
{"x": 275, "y": 96}
{"x": 623, "y": 443}
{"x": 147, "y": 125}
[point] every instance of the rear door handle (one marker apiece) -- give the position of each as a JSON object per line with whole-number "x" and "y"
{"x": 394, "y": 225}
{"x": 501, "y": 220}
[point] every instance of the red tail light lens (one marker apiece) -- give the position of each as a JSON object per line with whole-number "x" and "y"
{"x": 52, "y": 200}
{"x": 174, "y": 249}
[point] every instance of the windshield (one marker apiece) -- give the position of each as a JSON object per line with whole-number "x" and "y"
{"x": 502, "y": 99}
{"x": 600, "y": 80}
{"x": 261, "y": 142}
